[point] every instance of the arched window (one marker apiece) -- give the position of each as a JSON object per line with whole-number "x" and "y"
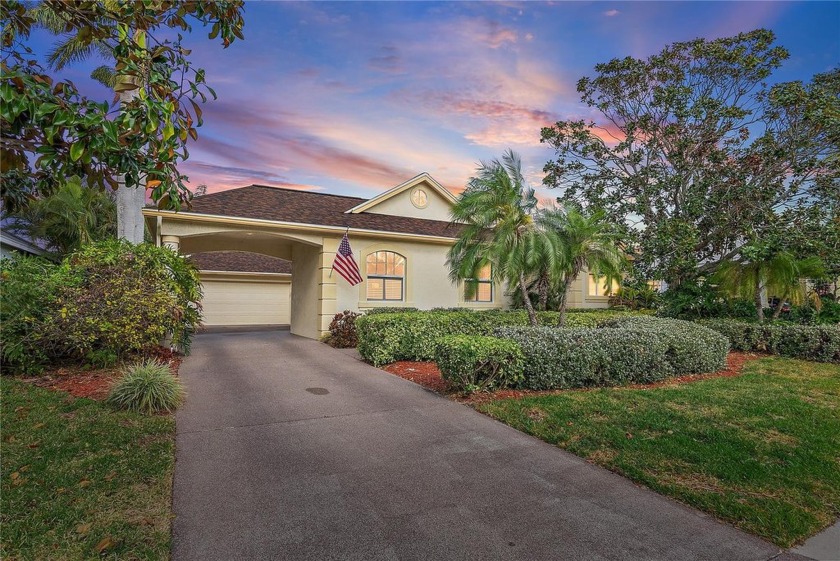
{"x": 385, "y": 276}
{"x": 481, "y": 287}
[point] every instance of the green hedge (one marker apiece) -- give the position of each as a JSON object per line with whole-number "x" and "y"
{"x": 474, "y": 363}
{"x": 634, "y": 350}
{"x": 820, "y": 343}
{"x": 388, "y": 337}
{"x": 691, "y": 347}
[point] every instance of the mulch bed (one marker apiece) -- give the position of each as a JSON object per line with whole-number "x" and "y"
{"x": 427, "y": 375}
{"x": 95, "y": 383}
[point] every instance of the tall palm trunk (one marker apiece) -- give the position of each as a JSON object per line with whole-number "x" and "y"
{"x": 523, "y": 287}
{"x": 564, "y": 290}
{"x": 758, "y": 307}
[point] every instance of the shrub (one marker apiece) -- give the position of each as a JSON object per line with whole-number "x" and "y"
{"x": 692, "y": 348}
{"x": 475, "y": 363}
{"x": 820, "y": 343}
{"x": 385, "y": 338}
{"x": 109, "y": 298}
{"x": 148, "y": 387}
{"x": 390, "y": 310}
{"x": 343, "y": 330}
{"x": 28, "y": 289}
{"x": 572, "y": 358}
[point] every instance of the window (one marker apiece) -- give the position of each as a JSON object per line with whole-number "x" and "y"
{"x": 598, "y": 286}
{"x": 483, "y": 287}
{"x": 385, "y": 276}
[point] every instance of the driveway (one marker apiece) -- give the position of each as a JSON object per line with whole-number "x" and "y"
{"x": 288, "y": 449}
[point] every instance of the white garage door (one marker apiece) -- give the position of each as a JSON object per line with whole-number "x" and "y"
{"x": 242, "y": 302}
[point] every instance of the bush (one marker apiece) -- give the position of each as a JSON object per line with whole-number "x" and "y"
{"x": 109, "y": 298}
{"x": 28, "y": 288}
{"x": 573, "y": 358}
{"x": 820, "y": 343}
{"x": 147, "y": 387}
{"x": 343, "y": 330}
{"x": 691, "y": 347}
{"x": 389, "y": 310}
{"x": 475, "y": 363}
{"x": 385, "y": 338}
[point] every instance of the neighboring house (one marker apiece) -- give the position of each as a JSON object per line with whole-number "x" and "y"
{"x": 11, "y": 245}
{"x": 399, "y": 238}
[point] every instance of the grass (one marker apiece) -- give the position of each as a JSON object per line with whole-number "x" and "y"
{"x": 81, "y": 480}
{"x": 761, "y": 451}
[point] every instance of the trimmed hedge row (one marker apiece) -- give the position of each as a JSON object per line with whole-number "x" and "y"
{"x": 820, "y": 343}
{"x": 388, "y": 337}
{"x": 474, "y": 363}
{"x": 633, "y": 350}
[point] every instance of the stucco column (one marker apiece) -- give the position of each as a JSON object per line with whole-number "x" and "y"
{"x": 327, "y": 285}
{"x": 172, "y": 242}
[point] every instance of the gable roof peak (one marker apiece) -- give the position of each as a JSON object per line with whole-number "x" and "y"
{"x": 404, "y": 186}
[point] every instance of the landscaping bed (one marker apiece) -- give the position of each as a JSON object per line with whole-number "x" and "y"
{"x": 759, "y": 450}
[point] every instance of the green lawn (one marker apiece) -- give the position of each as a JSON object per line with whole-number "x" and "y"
{"x": 81, "y": 480}
{"x": 761, "y": 450}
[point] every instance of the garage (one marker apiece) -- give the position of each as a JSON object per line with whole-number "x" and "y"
{"x": 243, "y": 288}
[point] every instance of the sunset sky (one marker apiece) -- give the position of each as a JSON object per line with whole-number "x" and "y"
{"x": 353, "y": 98}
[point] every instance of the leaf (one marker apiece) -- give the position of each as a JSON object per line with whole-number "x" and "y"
{"x": 76, "y": 151}
{"x": 83, "y": 528}
{"x": 84, "y": 483}
{"x": 105, "y": 544}
{"x": 152, "y": 183}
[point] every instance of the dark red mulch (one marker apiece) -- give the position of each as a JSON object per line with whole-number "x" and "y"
{"x": 427, "y": 375}
{"x": 95, "y": 383}
{"x": 424, "y": 373}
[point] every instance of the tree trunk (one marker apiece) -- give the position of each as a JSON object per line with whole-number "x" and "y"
{"x": 758, "y": 307}
{"x": 523, "y": 287}
{"x": 543, "y": 285}
{"x": 778, "y": 311}
{"x": 564, "y": 289}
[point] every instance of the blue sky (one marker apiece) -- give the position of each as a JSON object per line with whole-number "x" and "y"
{"x": 356, "y": 97}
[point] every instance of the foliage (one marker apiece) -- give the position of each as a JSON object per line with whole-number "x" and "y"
{"x": 807, "y": 342}
{"x": 637, "y": 349}
{"x": 142, "y": 139}
{"x": 390, "y": 310}
{"x": 759, "y": 450}
{"x": 386, "y": 338}
{"x": 476, "y": 363}
{"x": 76, "y": 473}
{"x": 763, "y": 268}
{"x": 691, "y": 348}
{"x": 343, "y": 330}
{"x": 635, "y": 296}
{"x": 109, "y": 296}
{"x": 698, "y": 156}
{"x": 147, "y": 387}
{"x": 691, "y": 300}
{"x": 70, "y": 216}
{"x": 28, "y": 288}
{"x": 502, "y": 227}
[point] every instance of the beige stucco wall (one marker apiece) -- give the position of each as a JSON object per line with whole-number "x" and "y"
{"x": 437, "y": 207}
{"x": 579, "y": 297}
{"x": 427, "y": 283}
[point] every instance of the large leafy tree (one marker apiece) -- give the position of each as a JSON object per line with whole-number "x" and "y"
{"x": 698, "y": 157}
{"x": 50, "y": 131}
{"x": 502, "y": 227}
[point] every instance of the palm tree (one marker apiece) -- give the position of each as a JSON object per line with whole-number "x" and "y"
{"x": 587, "y": 241}
{"x": 72, "y": 48}
{"x": 777, "y": 272}
{"x": 71, "y": 216}
{"x": 502, "y": 227}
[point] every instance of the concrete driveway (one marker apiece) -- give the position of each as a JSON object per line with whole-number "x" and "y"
{"x": 288, "y": 449}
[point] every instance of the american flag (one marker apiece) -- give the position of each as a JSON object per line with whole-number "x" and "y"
{"x": 344, "y": 263}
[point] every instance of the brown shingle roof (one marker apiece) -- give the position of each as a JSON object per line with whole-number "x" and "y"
{"x": 289, "y": 205}
{"x": 240, "y": 261}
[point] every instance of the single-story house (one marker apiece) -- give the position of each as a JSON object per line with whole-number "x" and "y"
{"x": 399, "y": 239}
{"x": 11, "y": 245}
